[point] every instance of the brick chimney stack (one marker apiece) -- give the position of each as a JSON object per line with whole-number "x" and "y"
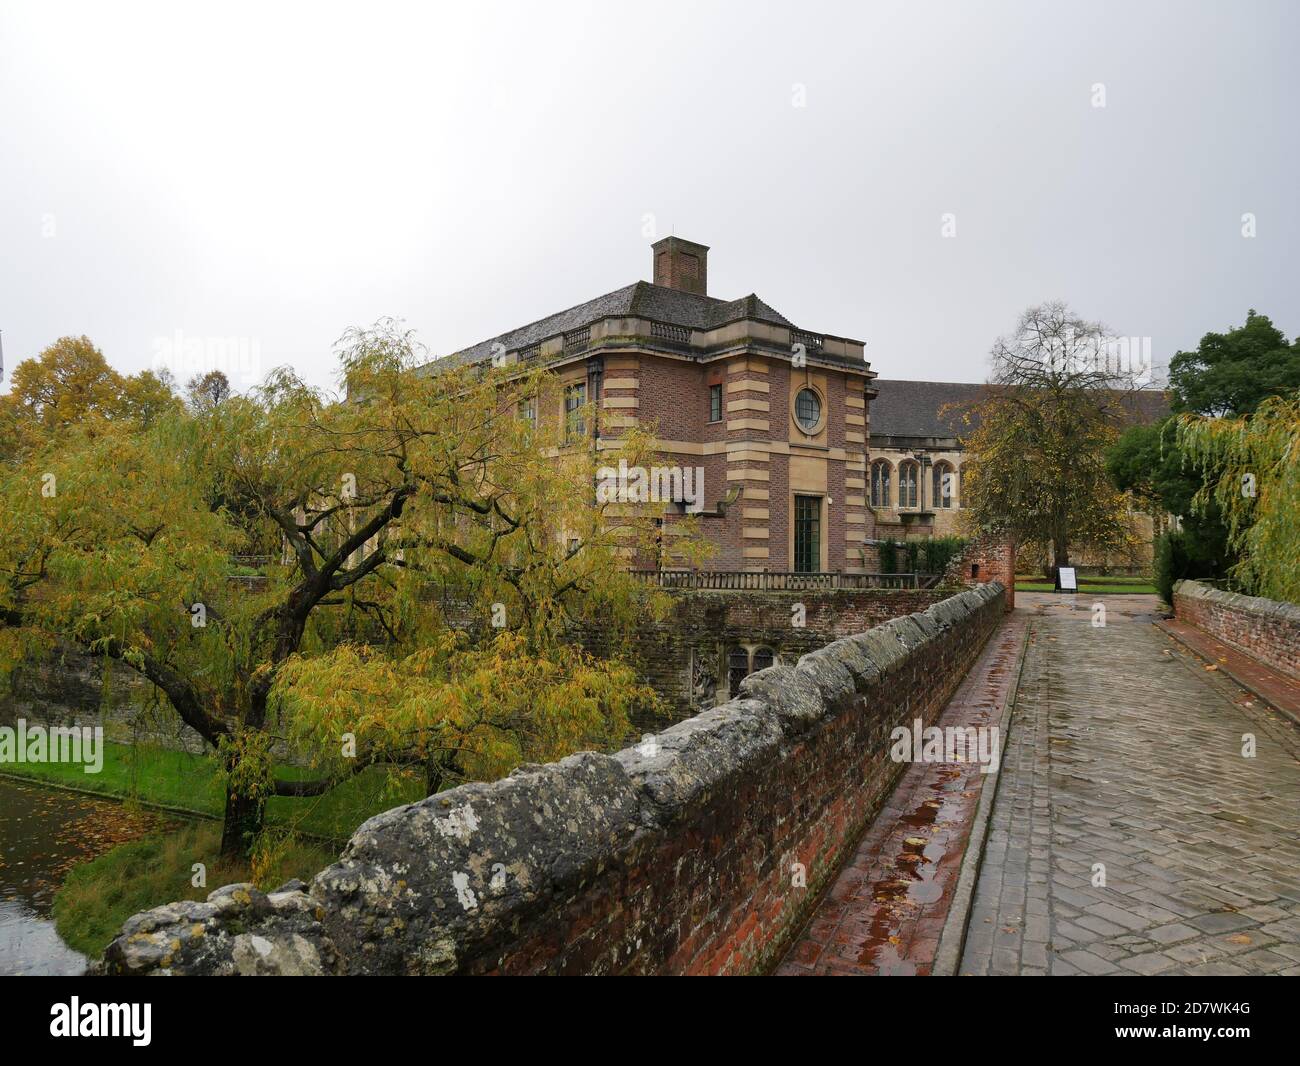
{"x": 682, "y": 265}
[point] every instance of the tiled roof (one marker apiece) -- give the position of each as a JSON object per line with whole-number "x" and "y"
{"x": 640, "y": 299}
{"x": 912, "y": 408}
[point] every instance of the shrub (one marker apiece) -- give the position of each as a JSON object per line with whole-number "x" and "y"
{"x": 889, "y": 557}
{"x": 920, "y": 556}
{"x": 1176, "y": 558}
{"x": 938, "y": 552}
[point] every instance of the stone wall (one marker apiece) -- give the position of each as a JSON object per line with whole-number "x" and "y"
{"x": 67, "y": 687}
{"x": 1265, "y": 629}
{"x": 685, "y": 657}
{"x": 698, "y": 852}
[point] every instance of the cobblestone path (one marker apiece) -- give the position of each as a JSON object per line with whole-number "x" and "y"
{"x": 1126, "y": 751}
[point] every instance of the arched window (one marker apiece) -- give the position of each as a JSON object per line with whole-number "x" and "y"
{"x": 909, "y": 480}
{"x": 880, "y": 488}
{"x": 741, "y": 662}
{"x": 945, "y": 485}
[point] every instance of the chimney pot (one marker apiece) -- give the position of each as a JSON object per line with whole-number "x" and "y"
{"x": 682, "y": 264}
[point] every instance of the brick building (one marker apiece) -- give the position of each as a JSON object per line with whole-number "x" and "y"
{"x": 775, "y": 415}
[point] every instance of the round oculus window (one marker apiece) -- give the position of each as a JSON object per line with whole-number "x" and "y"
{"x": 807, "y": 410}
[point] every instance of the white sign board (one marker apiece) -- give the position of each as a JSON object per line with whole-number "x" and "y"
{"x": 1066, "y": 579}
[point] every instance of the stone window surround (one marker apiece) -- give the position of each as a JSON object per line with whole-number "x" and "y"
{"x": 910, "y": 470}
{"x": 937, "y": 470}
{"x": 885, "y": 497}
{"x": 751, "y": 652}
{"x": 822, "y": 413}
{"x": 891, "y": 504}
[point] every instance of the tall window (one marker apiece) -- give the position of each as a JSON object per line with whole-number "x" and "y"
{"x": 715, "y": 403}
{"x": 945, "y": 485}
{"x": 807, "y": 534}
{"x": 737, "y": 669}
{"x": 909, "y": 479}
{"x": 575, "y": 397}
{"x": 528, "y": 411}
{"x": 880, "y": 495}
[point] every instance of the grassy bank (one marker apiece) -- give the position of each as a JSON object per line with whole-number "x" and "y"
{"x": 98, "y": 896}
{"x": 1091, "y": 585}
{"x": 193, "y": 783}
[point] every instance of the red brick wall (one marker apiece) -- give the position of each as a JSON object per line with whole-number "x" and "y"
{"x": 673, "y": 398}
{"x": 986, "y": 558}
{"x": 1264, "y": 629}
{"x": 713, "y": 891}
{"x": 704, "y": 625}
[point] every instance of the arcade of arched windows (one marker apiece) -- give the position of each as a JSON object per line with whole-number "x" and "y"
{"x": 898, "y": 485}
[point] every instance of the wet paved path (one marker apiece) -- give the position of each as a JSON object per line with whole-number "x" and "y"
{"x": 1277, "y": 689}
{"x": 1126, "y": 751}
{"x": 886, "y": 910}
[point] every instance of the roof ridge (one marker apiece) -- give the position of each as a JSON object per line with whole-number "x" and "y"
{"x": 565, "y": 311}
{"x": 638, "y": 294}
{"x": 904, "y": 407}
{"x": 535, "y": 322}
{"x": 684, "y": 292}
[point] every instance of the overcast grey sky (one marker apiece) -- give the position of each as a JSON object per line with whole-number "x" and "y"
{"x": 278, "y": 173}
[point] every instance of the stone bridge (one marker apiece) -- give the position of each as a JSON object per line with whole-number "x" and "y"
{"x": 1145, "y": 818}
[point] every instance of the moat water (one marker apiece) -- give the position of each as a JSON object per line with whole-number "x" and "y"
{"x": 43, "y": 834}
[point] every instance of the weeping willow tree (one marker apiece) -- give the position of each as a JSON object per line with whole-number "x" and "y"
{"x": 1255, "y": 463}
{"x": 430, "y": 552}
